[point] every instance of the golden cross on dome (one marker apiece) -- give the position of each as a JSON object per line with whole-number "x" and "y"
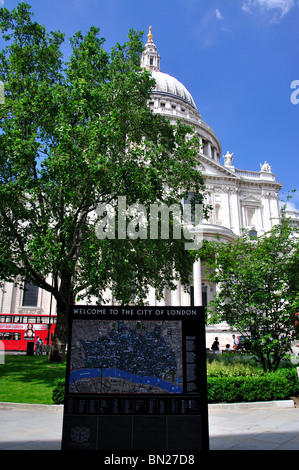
{"x": 150, "y": 36}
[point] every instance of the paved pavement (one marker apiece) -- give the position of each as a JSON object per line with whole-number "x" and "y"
{"x": 257, "y": 426}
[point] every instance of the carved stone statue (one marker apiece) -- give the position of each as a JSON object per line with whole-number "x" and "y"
{"x": 228, "y": 159}
{"x": 265, "y": 167}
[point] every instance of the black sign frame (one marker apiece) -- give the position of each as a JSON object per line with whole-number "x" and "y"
{"x": 157, "y": 421}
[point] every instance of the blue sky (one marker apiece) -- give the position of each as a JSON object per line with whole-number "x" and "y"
{"x": 237, "y": 58}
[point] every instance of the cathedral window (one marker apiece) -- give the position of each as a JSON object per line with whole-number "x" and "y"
{"x": 250, "y": 216}
{"x": 30, "y": 295}
{"x": 217, "y": 211}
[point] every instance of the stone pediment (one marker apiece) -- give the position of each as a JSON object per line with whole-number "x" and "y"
{"x": 250, "y": 199}
{"x": 214, "y": 169}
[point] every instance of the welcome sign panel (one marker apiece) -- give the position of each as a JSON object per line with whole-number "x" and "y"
{"x": 135, "y": 362}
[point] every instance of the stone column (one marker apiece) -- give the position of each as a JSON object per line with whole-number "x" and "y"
{"x": 7, "y": 298}
{"x": 200, "y": 145}
{"x": 185, "y": 296}
{"x": 209, "y": 149}
{"x": 197, "y": 283}
{"x": 162, "y": 301}
{"x": 176, "y": 295}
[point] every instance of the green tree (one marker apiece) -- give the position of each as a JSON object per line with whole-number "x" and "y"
{"x": 258, "y": 285}
{"x": 73, "y": 136}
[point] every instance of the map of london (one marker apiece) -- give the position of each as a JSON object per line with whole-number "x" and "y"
{"x": 126, "y": 357}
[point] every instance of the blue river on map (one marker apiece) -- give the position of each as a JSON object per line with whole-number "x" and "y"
{"x": 117, "y": 373}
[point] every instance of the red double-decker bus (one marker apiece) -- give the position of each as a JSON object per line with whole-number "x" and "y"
{"x": 17, "y": 331}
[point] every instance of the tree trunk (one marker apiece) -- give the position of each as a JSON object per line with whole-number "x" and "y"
{"x": 59, "y": 343}
{"x": 60, "y": 339}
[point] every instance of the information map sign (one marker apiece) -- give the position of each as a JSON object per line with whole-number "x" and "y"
{"x": 136, "y": 379}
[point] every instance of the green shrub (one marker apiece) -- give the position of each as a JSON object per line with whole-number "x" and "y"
{"x": 58, "y": 392}
{"x": 269, "y": 386}
{"x": 225, "y": 368}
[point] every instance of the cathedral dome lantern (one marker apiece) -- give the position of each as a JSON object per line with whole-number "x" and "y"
{"x": 150, "y": 59}
{"x": 172, "y": 99}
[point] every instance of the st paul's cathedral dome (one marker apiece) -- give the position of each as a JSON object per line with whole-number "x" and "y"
{"x": 172, "y": 99}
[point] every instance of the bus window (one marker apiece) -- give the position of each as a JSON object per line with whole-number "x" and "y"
{"x": 17, "y": 336}
{"x": 1, "y": 335}
{"x": 2, "y": 319}
{"x": 7, "y": 336}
